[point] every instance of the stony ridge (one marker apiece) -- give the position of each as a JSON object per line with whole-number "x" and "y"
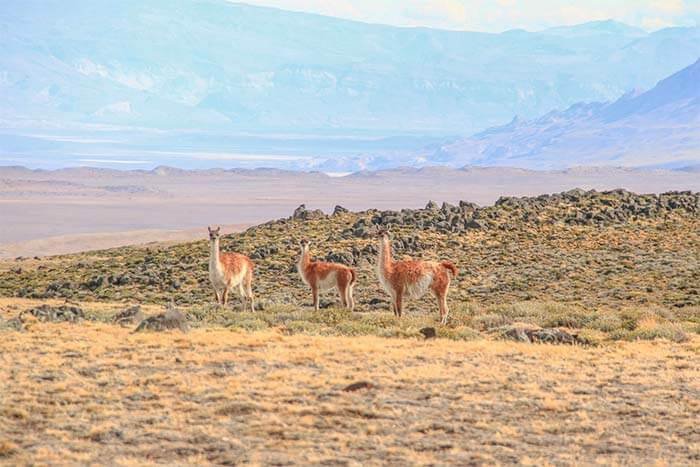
{"x": 571, "y": 207}
{"x": 595, "y": 248}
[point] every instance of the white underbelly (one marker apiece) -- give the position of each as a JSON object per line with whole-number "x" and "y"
{"x": 219, "y": 282}
{"x": 420, "y": 287}
{"x": 328, "y": 282}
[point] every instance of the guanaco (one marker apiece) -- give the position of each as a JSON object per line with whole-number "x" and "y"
{"x": 227, "y": 270}
{"x": 321, "y": 276}
{"x": 413, "y": 278}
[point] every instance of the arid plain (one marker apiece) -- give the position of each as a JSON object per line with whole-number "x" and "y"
{"x": 72, "y": 210}
{"x": 572, "y": 339}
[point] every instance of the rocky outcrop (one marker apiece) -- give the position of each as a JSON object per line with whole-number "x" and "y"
{"x": 303, "y": 214}
{"x": 130, "y": 315}
{"x": 55, "y": 314}
{"x": 534, "y": 335}
{"x": 171, "y": 319}
{"x": 571, "y": 207}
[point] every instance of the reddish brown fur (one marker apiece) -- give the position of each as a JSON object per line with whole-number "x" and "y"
{"x": 401, "y": 277}
{"x": 314, "y": 273}
{"x": 234, "y": 263}
{"x": 237, "y": 269}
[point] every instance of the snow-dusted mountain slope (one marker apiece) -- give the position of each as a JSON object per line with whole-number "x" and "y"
{"x": 213, "y": 64}
{"x": 660, "y": 127}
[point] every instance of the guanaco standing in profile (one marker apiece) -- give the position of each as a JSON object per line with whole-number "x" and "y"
{"x": 227, "y": 270}
{"x": 413, "y": 278}
{"x": 321, "y": 276}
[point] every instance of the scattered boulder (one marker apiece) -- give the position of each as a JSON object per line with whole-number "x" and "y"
{"x": 95, "y": 283}
{"x": 339, "y": 210}
{"x": 56, "y": 314}
{"x": 359, "y": 385}
{"x": 475, "y": 224}
{"x": 341, "y": 257}
{"x": 378, "y": 303}
{"x": 535, "y": 335}
{"x": 263, "y": 252}
{"x": 428, "y": 333}
{"x": 301, "y": 213}
{"x": 14, "y": 324}
{"x": 171, "y": 319}
{"x": 129, "y": 315}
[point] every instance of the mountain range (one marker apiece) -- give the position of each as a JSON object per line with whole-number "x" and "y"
{"x": 199, "y": 83}
{"x": 660, "y": 127}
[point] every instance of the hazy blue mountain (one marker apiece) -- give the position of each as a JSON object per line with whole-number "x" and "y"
{"x": 212, "y": 64}
{"x": 660, "y": 127}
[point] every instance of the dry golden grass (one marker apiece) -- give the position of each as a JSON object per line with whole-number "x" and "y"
{"x": 97, "y": 393}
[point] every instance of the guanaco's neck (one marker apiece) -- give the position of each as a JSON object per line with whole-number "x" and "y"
{"x": 385, "y": 261}
{"x": 304, "y": 259}
{"x": 214, "y": 257}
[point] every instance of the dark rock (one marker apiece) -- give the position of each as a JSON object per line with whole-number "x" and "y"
{"x": 14, "y": 324}
{"x": 378, "y": 302}
{"x": 55, "y": 314}
{"x": 121, "y": 279}
{"x": 171, "y": 319}
{"x": 95, "y": 283}
{"x": 431, "y": 206}
{"x": 428, "y": 333}
{"x": 475, "y": 224}
{"x": 264, "y": 252}
{"x": 339, "y": 210}
{"x": 301, "y": 213}
{"x": 341, "y": 257}
{"x": 359, "y": 385}
{"x": 539, "y": 335}
{"x": 129, "y": 315}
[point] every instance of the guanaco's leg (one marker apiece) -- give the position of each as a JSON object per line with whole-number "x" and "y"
{"x": 314, "y": 295}
{"x": 343, "y": 292}
{"x": 444, "y": 311}
{"x": 441, "y": 295}
{"x": 399, "y": 302}
{"x": 224, "y": 296}
{"x": 349, "y": 298}
{"x": 249, "y": 289}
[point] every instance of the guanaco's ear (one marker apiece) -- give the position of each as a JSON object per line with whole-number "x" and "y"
{"x": 381, "y": 232}
{"x": 218, "y": 229}
{"x": 209, "y": 229}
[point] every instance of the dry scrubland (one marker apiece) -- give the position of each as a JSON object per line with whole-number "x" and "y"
{"x": 619, "y": 272}
{"x": 99, "y": 393}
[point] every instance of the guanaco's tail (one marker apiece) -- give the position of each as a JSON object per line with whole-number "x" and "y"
{"x": 450, "y": 267}
{"x": 353, "y": 277}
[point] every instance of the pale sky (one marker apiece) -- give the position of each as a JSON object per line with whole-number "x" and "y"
{"x": 501, "y": 15}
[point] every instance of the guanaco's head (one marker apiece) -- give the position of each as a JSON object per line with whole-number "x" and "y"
{"x": 304, "y": 244}
{"x": 382, "y": 234}
{"x": 214, "y": 234}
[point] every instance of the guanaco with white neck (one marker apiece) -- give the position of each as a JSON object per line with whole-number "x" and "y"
{"x": 322, "y": 276}
{"x": 413, "y": 278}
{"x": 228, "y": 270}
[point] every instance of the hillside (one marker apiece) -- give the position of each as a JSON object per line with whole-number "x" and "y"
{"x": 86, "y": 208}
{"x": 654, "y": 128}
{"x": 593, "y": 251}
{"x": 612, "y": 276}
